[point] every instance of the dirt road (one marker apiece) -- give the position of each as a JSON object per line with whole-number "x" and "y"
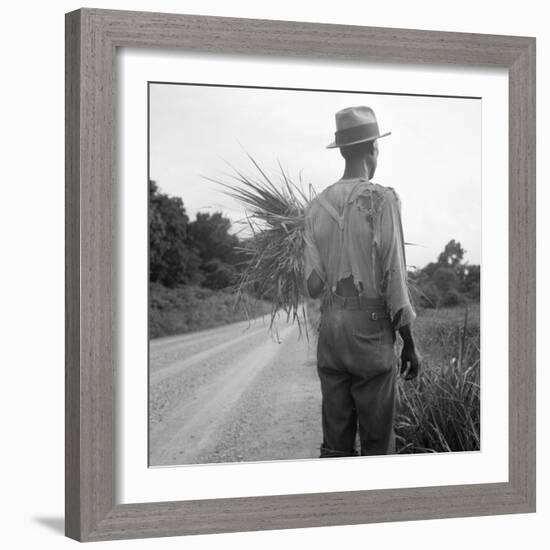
{"x": 233, "y": 394}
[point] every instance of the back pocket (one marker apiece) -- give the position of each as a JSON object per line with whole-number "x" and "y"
{"x": 368, "y": 327}
{"x": 374, "y": 345}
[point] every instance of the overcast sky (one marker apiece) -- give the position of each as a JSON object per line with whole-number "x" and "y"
{"x": 432, "y": 158}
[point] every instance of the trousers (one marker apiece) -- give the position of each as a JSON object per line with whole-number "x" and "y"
{"x": 356, "y": 363}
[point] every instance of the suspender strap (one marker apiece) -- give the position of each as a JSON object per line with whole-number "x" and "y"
{"x": 339, "y": 219}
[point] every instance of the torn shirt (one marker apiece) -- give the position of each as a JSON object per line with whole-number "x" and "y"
{"x": 353, "y": 229}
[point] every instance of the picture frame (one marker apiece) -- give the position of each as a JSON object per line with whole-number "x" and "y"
{"x": 92, "y": 39}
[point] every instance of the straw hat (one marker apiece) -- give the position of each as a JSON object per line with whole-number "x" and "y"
{"x": 355, "y": 125}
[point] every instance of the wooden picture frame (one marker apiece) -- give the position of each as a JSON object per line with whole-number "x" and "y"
{"x": 92, "y": 39}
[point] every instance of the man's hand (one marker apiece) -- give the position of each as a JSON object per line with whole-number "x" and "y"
{"x": 315, "y": 285}
{"x": 410, "y": 362}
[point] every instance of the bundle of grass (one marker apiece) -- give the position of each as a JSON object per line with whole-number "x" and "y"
{"x": 273, "y": 265}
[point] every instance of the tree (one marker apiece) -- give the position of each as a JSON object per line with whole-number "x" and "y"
{"x": 209, "y": 235}
{"x": 452, "y": 255}
{"x": 172, "y": 259}
{"x": 446, "y": 282}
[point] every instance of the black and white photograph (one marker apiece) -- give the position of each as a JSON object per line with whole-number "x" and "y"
{"x": 314, "y": 274}
{"x": 270, "y": 275}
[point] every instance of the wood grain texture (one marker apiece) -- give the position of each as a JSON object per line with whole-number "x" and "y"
{"x": 92, "y": 37}
{"x": 72, "y": 277}
{"x": 258, "y": 37}
{"x": 522, "y": 274}
{"x": 90, "y": 284}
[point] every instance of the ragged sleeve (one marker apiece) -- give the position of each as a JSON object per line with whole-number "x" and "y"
{"x": 312, "y": 258}
{"x": 394, "y": 286}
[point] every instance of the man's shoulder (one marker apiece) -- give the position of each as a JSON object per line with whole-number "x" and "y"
{"x": 311, "y": 206}
{"x": 380, "y": 194}
{"x": 387, "y": 195}
{"x": 383, "y": 194}
{"x": 385, "y": 190}
{"x": 315, "y": 204}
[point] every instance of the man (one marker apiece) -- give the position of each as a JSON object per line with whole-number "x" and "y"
{"x": 355, "y": 262}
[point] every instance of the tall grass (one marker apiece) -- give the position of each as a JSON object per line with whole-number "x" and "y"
{"x": 440, "y": 410}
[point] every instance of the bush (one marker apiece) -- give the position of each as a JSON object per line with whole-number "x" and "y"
{"x": 452, "y": 298}
{"x": 189, "y": 308}
{"x": 445, "y": 279}
{"x": 425, "y": 293}
{"x": 446, "y": 283}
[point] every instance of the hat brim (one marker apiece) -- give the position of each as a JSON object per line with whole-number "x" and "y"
{"x": 334, "y": 145}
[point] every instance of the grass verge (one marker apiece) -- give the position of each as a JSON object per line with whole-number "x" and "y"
{"x": 190, "y": 308}
{"x": 440, "y": 410}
